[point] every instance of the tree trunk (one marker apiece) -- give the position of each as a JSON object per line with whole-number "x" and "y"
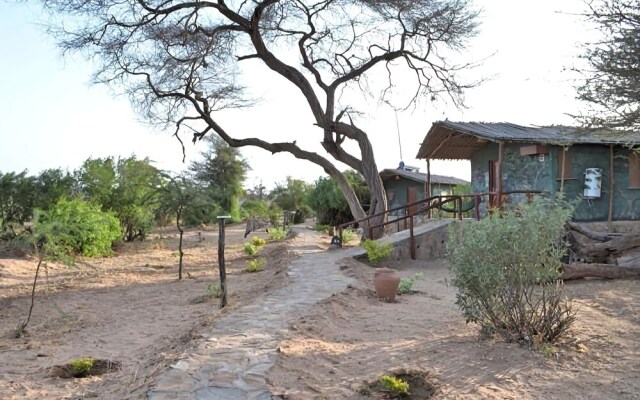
{"x": 602, "y": 247}
{"x": 603, "y": 271}
{"x": 180, "y": 254}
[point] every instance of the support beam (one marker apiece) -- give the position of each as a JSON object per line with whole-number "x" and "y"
{"x": 610, "y": 219}
{"x": 499, "y": 173}
{"x": 428, "y": 192}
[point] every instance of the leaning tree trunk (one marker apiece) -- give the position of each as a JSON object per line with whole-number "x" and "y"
{"x": 602, "y": 247}
{"x": 602, "y": 271}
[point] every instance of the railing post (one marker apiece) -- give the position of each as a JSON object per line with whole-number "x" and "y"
{"x": 221, "y": 262}
{"x": 459, "y": 201}
{"x": 412, "y": 239}
{"x": 476, "y": 206}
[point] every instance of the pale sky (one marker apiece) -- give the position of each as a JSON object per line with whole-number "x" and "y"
{"x": 51, "y": 116}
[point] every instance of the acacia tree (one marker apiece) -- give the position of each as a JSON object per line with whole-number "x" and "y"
{"x": 179, "y": 60}
{"x": 612, "y": 84}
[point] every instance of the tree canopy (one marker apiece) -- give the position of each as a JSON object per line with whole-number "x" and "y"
{"x": 181, "y": 62}
{"x": 612, "y": 84}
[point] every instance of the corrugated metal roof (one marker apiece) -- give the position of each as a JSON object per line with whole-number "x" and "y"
{"x": 459, "y": 140}
{"x": 420, "y": 177}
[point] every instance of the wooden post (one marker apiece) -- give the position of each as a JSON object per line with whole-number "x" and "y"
{"x": 610, "y": 219}
{"x": 499, "y": 173}
{"x": 428, "y": 185}
{"x": 221, "y": 266}
{"x": 412, "y": 239}
{"x": 562, "y": 169}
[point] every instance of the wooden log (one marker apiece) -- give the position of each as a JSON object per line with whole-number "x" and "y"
{"x": 603, "y": 247}
{"x": 602, "y": 271}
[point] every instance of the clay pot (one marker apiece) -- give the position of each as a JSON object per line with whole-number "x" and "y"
{"x": 386, "y": 282}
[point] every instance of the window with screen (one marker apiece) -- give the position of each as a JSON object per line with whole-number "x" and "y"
{"x": 564, "y": 163}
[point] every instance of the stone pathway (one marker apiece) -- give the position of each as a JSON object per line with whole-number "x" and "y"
{"x": 232, "y": 363}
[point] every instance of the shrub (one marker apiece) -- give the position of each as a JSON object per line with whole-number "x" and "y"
{"x": 348, "y": 235}
{"x": 76, "y": 227}
{"x": 213, "y": 290}
{"x": 376, "y": 252}
{"x": 277, "y": 233}
{"x": 396, "y": 386}
{"x": 258, "y": 242}
{"x": 250, "y": 249}
{"x": 507, "y": 270}
{"x": 407, "y": 283}
{"x": 256, "y": 265}
{"x": 81, "y": 366}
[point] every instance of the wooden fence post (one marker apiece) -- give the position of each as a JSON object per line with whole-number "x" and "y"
{"x": 221, "y": 265}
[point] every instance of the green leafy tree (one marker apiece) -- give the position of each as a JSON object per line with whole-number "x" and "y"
{"x": 328, "y": 201}
{"x": 17, "y": 202}
{"x": 52, "y": 185}
{"x": 222, "y": 172}
{"x": 292, "y": 195}
{"x": 134, "y": 198}
{"x": 612, "y": 84}
{"x": 97, "y": 179}
{"x": 127, "y": 187}
{"x": 180, "y": 197}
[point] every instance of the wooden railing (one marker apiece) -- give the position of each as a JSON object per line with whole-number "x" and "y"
{"x": 424, "y": 206}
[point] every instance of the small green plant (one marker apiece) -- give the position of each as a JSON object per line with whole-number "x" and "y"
{"x": 257, "y": 241}
{"x": 348, "y": 235}
{"x": 277, "y": 233}
{"x": 396, "y": 386}
{"x": 407, "y": 283}
{"x": 376, "y": 252}
{"x": 214, "y": 290}
{"x": 256, "y": 265}
{"x": 82, "y": 366}
{"x": 250, "y": 249}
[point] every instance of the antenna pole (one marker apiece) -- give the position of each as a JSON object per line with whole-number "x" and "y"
{"x": 398, "y": 130}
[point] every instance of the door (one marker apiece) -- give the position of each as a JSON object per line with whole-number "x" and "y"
{"x": 412, "y": 197}
{"x": 493, "y": 183}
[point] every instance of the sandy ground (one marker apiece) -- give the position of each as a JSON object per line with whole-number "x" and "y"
{"x": 129, "y": 308}
{"x": 353, "y": 338}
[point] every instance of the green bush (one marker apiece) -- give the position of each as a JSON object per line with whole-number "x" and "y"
{"x": 256, "y": 265}
{"x": 81, "y": 366}
{"x": 257, "y": 241}
{"x": 213, "y": 290}
{"x": 397, "y": 386}
{"x": 406, "y": 284}
{"x": 506, "y": 268}
{"x": 277, "y": 233}
{"x": 250, "y": 249}
{"x": 376, "y": 252}
{"x": 74, "y": 227}
{"x": 348, "y": 235}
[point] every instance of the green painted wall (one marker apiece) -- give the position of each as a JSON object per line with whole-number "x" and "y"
{"x": 400, "y": 187}
{"x": 533, "y": 173}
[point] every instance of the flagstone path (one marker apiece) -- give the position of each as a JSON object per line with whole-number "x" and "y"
{"x": 242, "y": 346}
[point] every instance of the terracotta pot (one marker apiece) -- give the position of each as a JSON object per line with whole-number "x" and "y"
{"x": 386, "y": 282}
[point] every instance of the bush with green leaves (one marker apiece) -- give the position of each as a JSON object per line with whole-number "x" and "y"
{"x": 82, "y": 366}
{"x": 258, "y": 241}
{"x": 506, "y": 268}
{"x": 406, "y": 284}
{"x": 277, "y": 233}
{"x": 73, "y": 227}
{"x": 348, "y": 235}
{"x": 377, "y": 252}
{"x": 256, "y": 265}
{"x": 250, "y": 249}
{"x": 397, "y": 386}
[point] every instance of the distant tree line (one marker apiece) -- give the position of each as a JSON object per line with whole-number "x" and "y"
{"x": 121, "y": 199}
